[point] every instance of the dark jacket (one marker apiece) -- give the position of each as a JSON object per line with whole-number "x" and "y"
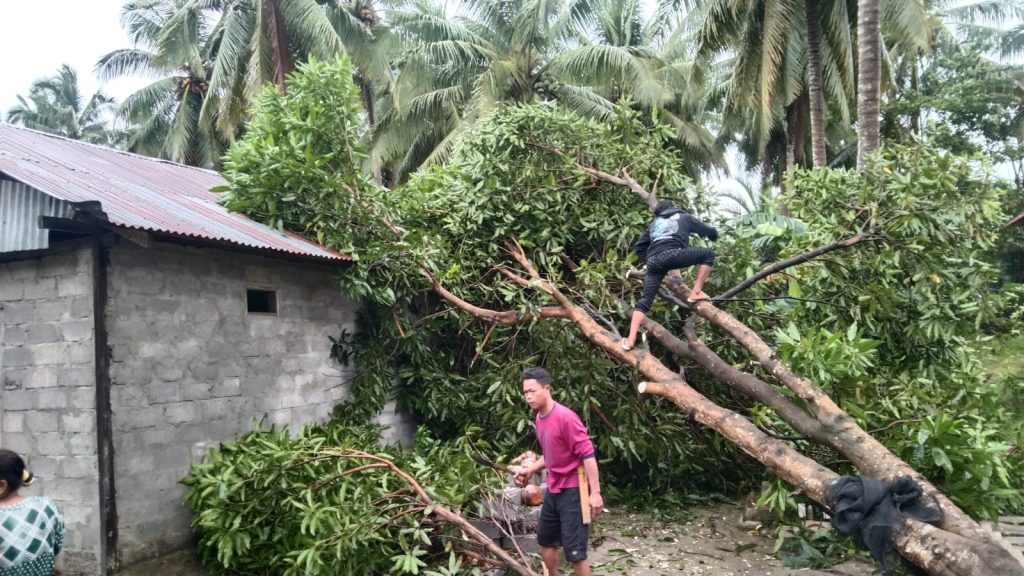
{"x": 671, "y": 229}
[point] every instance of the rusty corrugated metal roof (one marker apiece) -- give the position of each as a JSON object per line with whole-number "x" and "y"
{"x": 139, "y": 192}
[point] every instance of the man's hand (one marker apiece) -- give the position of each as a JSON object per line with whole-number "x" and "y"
{"x": 596, "y": 504}
{"x": 520, "y": 475}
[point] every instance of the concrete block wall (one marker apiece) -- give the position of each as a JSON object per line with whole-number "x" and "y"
{"x": 191, "y": 368}
{"x": 47, "y": 393}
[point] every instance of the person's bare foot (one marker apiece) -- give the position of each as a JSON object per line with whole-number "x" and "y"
{"x": 627, "y": 345}
{"x": 698, "y": 295}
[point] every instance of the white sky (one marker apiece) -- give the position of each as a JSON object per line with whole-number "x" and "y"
{"x": 37, "y": 36}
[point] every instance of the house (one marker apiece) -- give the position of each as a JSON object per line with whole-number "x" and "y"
{"x": 140, "y": 324}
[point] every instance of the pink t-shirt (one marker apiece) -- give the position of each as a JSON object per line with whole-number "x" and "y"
{"x": 565, "y": 444}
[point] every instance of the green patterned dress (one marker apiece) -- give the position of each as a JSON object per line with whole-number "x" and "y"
{"x": 31, "y": 536}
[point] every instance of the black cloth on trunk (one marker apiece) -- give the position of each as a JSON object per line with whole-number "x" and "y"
{"x": 869, "y": 510}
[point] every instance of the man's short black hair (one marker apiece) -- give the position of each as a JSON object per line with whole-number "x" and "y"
{"x": 537, "y": 373}
{"x": 664, "y": 206}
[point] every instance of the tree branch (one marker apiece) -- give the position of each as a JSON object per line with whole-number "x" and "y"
{"x": 795, "y": 260}
{"x": 442, "y": 511}
{"x": 497, "y": 316}
{"x": 648, "y": 198}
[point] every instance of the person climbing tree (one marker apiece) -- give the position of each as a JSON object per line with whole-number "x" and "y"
{"x": 665, "y": 246}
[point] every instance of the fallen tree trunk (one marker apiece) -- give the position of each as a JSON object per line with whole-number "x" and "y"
{"x": 959, "y": 547}
{"x": 841, "y": 432}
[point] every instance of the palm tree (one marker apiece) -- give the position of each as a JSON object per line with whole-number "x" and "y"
{"x": 371, "y": 45}
{"x": 869, "y": 64}
{"x": 172, "y": 44}
{"x": 257, "y": 42}
{"x": 914, "y": 31}
{"x": 680, "y": 94}
{"x": 55, "y": 104}
{"x": 785, "y": 60}
{"x": 507, "y": 51}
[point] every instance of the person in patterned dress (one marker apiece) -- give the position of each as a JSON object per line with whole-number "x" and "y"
{"x": 31, "y": 529}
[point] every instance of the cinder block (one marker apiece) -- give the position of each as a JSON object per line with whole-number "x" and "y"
{"x": 19, "y": 312}
{"x": 26, "y": 270}
{"x": 46, "y": 354}
{"x": 161, "y": 436}
{"x": 81, "y": 352}
{"x": 75, "y": 330}
{"x": 78, "y": 421}
{"x": 170, "y": 374}
{"x": 127, "y": 396}
{"x": 163, "y": 392}
{"x": 137, "y": 463}
{"x": 41, "y": 421}
{"x": 196, "y": 391}
{"x": 79, "y": 467}
{"x": 13, "y": 421}
{"x": 20, "y": 442}
{"x": 17, "y": 356}
{"x": 83, "y": 398}
{"x": 50, "y": 310}
{"x": 11, "y": 290}
{"x": 181, "y": 412}
{"x": 82, "y": 444}
{"x": 140, "y": 418}
{"x": 14, "y": 335}
{"x": 41, "y": 377}
{"x": 173, "y": 457}
{"x": 149, "y": 350}
{"x": 57, "y": 264}
{"x": 43, "y": 467}
{"x": 14, "y": 378}
{"x": 230, "y": 386}
{"x": 50, "y": 398}
{"x": 51, "y": 444}
{"x": 41, "y": 289}
{"x": 42, "y": 333}
{"x": 21, "y": 400}
{"x": 80, "y": 307}
{"x": 77, "y": 376}
{"x": 292, "y": 401}
{"x": 74, "y": 285}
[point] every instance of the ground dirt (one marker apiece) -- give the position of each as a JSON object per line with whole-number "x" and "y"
{"x": 709, "y": 542}
{"x": 706, "y": 541}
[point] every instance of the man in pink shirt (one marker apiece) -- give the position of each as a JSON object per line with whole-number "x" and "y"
{"x": 565, "y": 445}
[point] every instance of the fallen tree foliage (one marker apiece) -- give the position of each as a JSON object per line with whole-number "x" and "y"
{"x": 527, "y": 228}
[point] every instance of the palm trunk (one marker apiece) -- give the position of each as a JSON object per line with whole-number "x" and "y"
{"x": 815, "y": 85}
{"x": 915, "y": 116}
{"x": 869, "y": 63}
{"x": 282, "y": 59}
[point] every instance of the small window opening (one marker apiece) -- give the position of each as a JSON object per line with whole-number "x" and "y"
{"x": 261, "y": 301}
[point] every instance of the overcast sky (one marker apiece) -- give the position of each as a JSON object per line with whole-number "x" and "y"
{"x": 37, "y": 36}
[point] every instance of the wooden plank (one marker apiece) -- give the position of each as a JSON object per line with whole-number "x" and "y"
{"x": 1011, "y": 520}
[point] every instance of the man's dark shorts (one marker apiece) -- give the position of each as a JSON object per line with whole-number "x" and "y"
{"x": 561, "y": 524}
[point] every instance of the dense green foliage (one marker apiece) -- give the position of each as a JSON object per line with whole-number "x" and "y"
{"x": 269, "y": 503}
{"x": 890, "y": 329}
{"x": 885, "y": 327}
{"x": 459, "y": 376}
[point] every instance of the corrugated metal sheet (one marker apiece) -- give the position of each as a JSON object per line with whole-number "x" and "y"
{"x": 139, "y": 192}
{"x": 20, "y": 208}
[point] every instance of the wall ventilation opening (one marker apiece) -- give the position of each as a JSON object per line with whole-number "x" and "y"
{"x": 261, "y": 301}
